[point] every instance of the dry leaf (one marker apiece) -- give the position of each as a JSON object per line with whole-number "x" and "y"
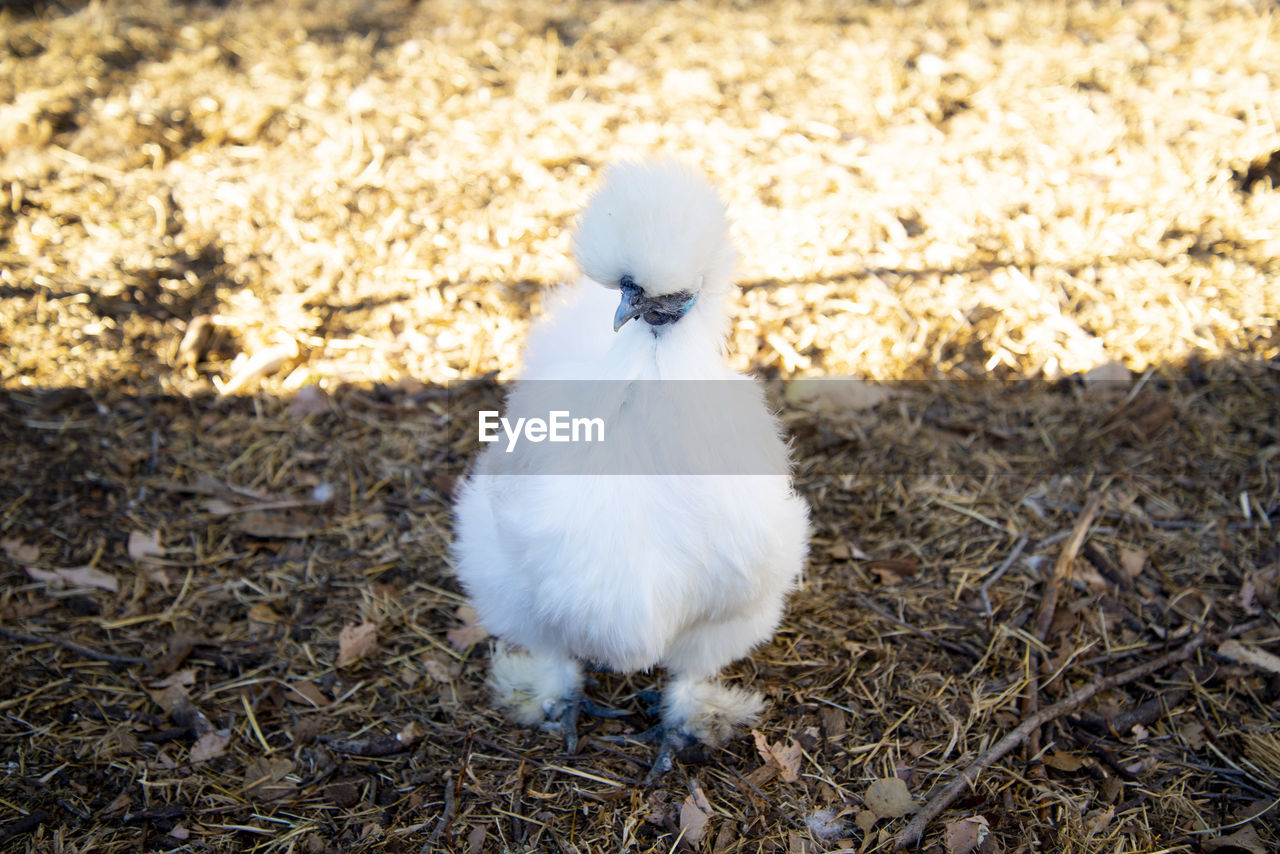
{"x": 1247, "y": 595}
{"x": 475, "y": 839}
{"x": 344, "y": 794}
{"x": 1112, "y": 376}
{"x": 276, "y": 525}
{"x": 725, "y": 838}
{"x": 469, "y": 633}
{"x": 307, "y": 693}
{"x": 834, "y": 721}
{"x": 355, "y": 642}
{"x": 786, "y": 757}
{"x": 169, "y": 697}
{"x": 211, "y": 745}
{"x": 762, "y": 745}
{"x": 18, "y": 551}
{"x": 1060, "y": 760}
{"x": 178, "y": 706}
{"x": 693, "y": 821}
{"x": 76, "y": 576}
{"x": 1244, "y": 841}
{"x": 1133, "y": 561}
{"x": 178, "y": 649}
{"x": 885, "y": 577}
{"x": 438, "y": 669}
{"x": 889, "y": 798}
{"x": 894, "y": 569}
{"x": 964, "y": 836}
{"x": 763, "y": 774}
{"x": 1266, "y": 585}
{"x": 308, "y": 401}
{"x": 834, "y": 395}
{"x": 1250, "y": 655}
{"x": 142, "y": 545}
{"x": 1112, "y": 789}
{"x": 1086, "y": 573}
{"x": 261, "y": 612}
{"x": 1098, "y": 821}
{"x": 180, "y": 677}
{"x": 264, "y": 778}
{"x": 118, "y": 807}
{"x": 218, "y": 507}
{"x": 466, "y": 637}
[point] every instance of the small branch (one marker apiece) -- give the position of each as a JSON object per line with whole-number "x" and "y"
{"x": 1264, "y": 520}
{"x": 939, "y": 802}
{"x": 1062, "y": 566}
{"x": 82, "y": 651}
{"x": 446, "y": 814}
{"x": 1048, "y": 607}
{"x": 999, "y": 571}
{"x": 374, "y": 745}
{"x": 1143, "y": 715}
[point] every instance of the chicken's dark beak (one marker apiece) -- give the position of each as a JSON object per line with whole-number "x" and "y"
{"x": 632, "y": 305}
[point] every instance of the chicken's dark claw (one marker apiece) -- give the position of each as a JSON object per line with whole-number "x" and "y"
{"x": 567, "y": 722}
{"x": 670, "y": 741}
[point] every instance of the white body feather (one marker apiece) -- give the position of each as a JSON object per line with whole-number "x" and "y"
{"x": 635, "y": 571}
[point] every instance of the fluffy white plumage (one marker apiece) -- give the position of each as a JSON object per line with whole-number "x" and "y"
{"x": 686, "y": 572}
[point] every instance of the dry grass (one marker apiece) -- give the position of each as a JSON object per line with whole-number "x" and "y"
{"x": 366, "y": 202}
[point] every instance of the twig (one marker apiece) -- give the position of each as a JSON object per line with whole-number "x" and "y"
{"x": 939, "y": 802}
{"x": 1144, "y": 715}
{"x": 1264, "y": 520}
{"x": 1259, "y": 814}
{"x": 375, "y": 745}
{"x": 1049, "y": 605}
{"x": 999, "y": 571}
{"x": 1062, "y": 567}
{"x": 84, "y": 651}
{"x": 446, "y": 814}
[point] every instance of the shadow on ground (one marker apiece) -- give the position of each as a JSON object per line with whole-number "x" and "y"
{"x": 180, "y": 571}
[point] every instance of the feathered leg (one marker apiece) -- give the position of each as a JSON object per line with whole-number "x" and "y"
{"x": 544, "y": 690}
{"x": 696, "y": 707}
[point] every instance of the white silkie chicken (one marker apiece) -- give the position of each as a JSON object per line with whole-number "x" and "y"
{"x": 627, "y": 561}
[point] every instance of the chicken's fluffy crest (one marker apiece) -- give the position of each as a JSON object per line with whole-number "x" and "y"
{"x": 660, "y": 223}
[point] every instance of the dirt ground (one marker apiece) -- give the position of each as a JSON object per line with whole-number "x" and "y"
{"x": 256, "y": 259}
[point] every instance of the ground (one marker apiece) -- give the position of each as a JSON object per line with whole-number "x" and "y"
{"x": 258, "y": 260}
